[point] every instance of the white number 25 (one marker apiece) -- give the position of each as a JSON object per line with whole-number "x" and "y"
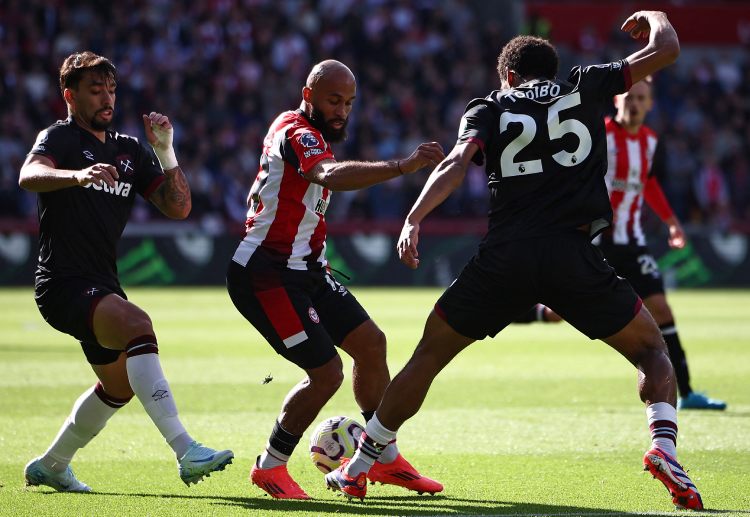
{"x": 556, "y": 129}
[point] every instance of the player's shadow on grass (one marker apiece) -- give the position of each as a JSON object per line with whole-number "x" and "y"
{"x": 408, "y": 505}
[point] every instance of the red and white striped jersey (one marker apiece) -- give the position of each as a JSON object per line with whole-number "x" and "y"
{"x": 286, "y": 211}
{"x": 629, "y": 161}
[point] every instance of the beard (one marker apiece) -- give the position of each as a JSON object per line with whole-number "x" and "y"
{"x": 330, "y": 134}
{"x": 99, "y": 125}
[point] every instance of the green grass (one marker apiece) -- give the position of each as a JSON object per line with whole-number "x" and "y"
{"x": 538, "y": 421}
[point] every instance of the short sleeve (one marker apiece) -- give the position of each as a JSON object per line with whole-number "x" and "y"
{"x": 605, "y": 80}
{"x": 476, "y": 126}
{"x": 305, "y": 148}
{"x": 148, "y": 171}
{"x": 53, "y": 143}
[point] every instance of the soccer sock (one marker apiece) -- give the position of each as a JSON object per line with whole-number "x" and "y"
{"x": 148, "y": 382}
{"x": 372, "y": 443}
{"x": 677, "y": 356}
{"x": 390, "y": 453}
{"x": 662, "y": 421}
{"x": 279, "y": 448}
{"x": 89, "y": 416}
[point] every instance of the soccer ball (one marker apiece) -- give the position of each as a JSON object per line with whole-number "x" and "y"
{"x": 334, "y": 438}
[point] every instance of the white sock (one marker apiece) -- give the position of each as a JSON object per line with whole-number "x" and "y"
{"x": 88, "y": 417}
{"x": 272, "y": 458}
{"x": 372, "y": 444}
{"x": 662, "y": 422}
{"x": 152, "y": 389}
{"x": 390, "y": 453}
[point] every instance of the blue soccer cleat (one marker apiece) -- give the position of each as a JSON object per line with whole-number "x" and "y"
{"x": 37, "y": 474}
{"x": 700, "y": 401}
{"x": 200, "y": 461}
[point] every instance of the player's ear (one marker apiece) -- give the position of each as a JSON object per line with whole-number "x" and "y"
{"x": 69, "y": 98}
{"x": 307, "y": 94}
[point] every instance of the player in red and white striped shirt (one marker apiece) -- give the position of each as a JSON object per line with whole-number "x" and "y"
{"x": 633, "y": 160}
{"x": 278, "y": 277}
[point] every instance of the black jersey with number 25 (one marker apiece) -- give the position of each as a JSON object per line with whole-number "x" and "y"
{"x": 79, "y": 226}
{"x": 546, "y": 152}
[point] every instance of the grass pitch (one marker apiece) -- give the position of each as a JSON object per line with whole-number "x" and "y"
{"x": 538, "y": 421}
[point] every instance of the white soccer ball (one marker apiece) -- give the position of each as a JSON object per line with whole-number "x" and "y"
{"x": 334, "y": 438}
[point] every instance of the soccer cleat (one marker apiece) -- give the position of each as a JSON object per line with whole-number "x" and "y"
{"x": 700, "y": 401}
{"x": 351, "y": 487}
{"x": 37, "y": 474}
{"x": 276, "y": 482}
{"x": 200, "y": 461}
{"x": 401, "y": 473}
{"x": 666, "y": 469}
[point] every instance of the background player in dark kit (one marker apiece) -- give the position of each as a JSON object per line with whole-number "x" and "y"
{"x": 86, "y": 177}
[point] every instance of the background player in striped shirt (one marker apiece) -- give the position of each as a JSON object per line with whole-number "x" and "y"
{"x": 279, "y": 279}
{"x": 634, "y": 163}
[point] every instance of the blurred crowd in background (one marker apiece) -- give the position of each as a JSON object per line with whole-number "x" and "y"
{"x": 223, "y": 69}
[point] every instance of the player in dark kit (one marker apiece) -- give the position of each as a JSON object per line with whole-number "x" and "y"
{"x": 279, "y": 279}
{"x": 544, "y": 144}
{"x": 87, "y": 177}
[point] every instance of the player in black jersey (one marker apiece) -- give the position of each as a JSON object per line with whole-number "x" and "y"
{"x": 86, "y": 177}
{"x": 544, "y": 144}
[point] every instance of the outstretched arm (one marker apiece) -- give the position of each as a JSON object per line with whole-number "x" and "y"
{"x": 442, "y": 182}
{"x": 663, "y": 46}
{"x": 353, "y": 175}
{"x": 172, "y": 197}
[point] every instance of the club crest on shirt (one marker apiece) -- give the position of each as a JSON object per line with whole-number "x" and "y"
{"x": 313, "y": 315}
{"x": 124, "y": 164}
{"x": 309, "y": 140}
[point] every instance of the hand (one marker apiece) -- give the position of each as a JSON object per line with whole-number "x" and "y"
{"x": 426, "y": 154}
{"x": 676, "y": 235}
{"x": 97, "y": 174}
{"x": 638, "y": 25}
{"x": 160, "y": 133}
{"x": 407, "y": 245}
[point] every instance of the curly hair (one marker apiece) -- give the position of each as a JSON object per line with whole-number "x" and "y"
{"x": 75, "y": 65}
{"x": 528, "y": 56}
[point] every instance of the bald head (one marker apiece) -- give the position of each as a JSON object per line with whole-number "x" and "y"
{"x": 329, "y": 69}
{"x": 327, "y": 98}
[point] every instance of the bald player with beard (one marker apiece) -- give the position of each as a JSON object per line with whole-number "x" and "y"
{"x": 280, "y": 281}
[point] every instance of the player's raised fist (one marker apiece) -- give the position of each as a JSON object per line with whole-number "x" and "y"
{"x": 159, "y": 132}
{"x": 638, "y": 25}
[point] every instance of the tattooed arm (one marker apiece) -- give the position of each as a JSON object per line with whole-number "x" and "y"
{"x": 172, "y": 197}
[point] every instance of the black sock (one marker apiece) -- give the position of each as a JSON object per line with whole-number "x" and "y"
{"x": 282, "y": 440}
{"x": 367, "y": 415}
{"x": 677, "y": 356}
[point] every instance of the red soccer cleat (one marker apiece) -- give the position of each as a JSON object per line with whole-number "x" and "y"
{"x": 666, "y": 469}
{"x": 276, "y": 482}
{"x": 401, "y": 473}
{"x": 350, "y": 486}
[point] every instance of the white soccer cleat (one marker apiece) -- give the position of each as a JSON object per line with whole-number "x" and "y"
{"x": 37, "y": 474}
{"x": 200, "y": 461}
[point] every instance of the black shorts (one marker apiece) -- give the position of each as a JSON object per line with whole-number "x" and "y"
{"x": 304, "y": 315}
{"x": 637, "y": 265}
{"x": 564, "y": 271}
{"x": 68, "y": 305}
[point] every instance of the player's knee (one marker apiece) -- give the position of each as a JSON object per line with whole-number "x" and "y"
{"x": 329, "y": 377}
{"x": 138, "y": 324}
{"x": 372, "y": 349}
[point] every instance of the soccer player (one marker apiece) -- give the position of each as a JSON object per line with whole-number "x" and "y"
{"x": 544, "y": 144}
{"x": 634, "y": 160}
{"x": 279, "y": 280}
{"x": 86, "y": 177}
